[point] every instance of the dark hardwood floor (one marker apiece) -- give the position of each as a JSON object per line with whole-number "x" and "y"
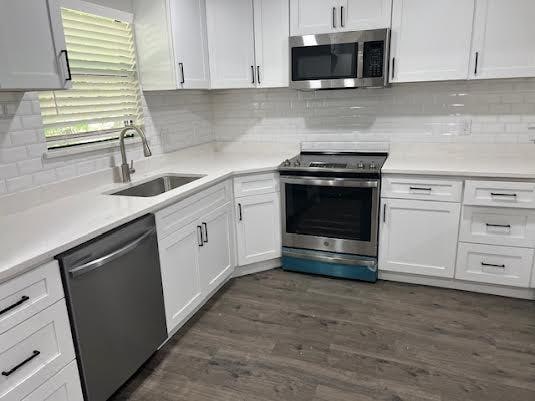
{"x": 279, "y": 336}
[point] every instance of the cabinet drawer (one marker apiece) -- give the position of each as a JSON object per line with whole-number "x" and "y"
{"x": 28, "y": 294}
{"x": 498, "y": 226}
{"x": 64, "y": 386}
{"x": 494, "y": 264}
{"x": 411, "y": 187}
{"x": 256, "y": 184}
{"x": 34, "y": 351}
{"x": 500, "y": 193}
{"x": 177, "y": 216}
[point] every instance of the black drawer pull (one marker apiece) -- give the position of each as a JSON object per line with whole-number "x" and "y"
{"x": 24, "y": 362}
{"x": 492, "y": 265}
{"x": 500, "y": 194}
{"x": 23, "y": 299}
{"x": 499, "y": 225}
{"x": 420, "y": 189}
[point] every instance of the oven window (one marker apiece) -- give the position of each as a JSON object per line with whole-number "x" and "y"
{"x": 324, "y": 62}
{"x": 332, "y": 212}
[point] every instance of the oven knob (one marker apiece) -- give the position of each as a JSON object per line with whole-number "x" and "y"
{"x": 360, "y": 165}
{"x": 297, "y": 163}
{"x": 372, "y": 166}
{"x": 286, "y": 163}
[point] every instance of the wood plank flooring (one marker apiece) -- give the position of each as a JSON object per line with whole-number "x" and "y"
{"x": 278, "y": 336}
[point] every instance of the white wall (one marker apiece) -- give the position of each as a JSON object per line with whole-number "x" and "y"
{"x": 123, "y": 5}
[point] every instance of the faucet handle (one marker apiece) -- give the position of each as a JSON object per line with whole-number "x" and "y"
{"x": 132, "y": 169}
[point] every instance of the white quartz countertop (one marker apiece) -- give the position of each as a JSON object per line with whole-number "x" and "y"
{"x": 508, "y": 161}
{"x": 37, "y": 234}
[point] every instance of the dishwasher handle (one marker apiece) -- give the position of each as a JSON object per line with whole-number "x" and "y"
{"x": 94, "y": 264}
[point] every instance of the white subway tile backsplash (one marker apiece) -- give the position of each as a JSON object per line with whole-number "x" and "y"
{"x": 19, "y": 183}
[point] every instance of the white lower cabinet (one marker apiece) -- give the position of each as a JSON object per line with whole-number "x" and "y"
{"x": 64, "y": 386}
{"x": 419, "y": 237}
{"x": 494, "y": 264}
{"x": 258, "y": 228}
{"x": 179, "y": 263}
{"x": 34, "y": 351}
{"x": 195, "y": 257}
{"x": 216, "y": 255}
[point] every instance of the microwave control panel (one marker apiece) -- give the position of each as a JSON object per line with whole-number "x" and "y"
{"x": 373, "y": 62}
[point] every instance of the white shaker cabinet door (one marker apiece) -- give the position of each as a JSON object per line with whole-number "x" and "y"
{"x": 32, "y": 44}
{"x": 271, "y": 43}
{"x": 503, "y": 45}
{"x": 430, "y": 40}
{"x": 179, "y": 263}
{"x": 419, "y": 237}
{"x": 216, "y": 254}
{"x": 259, "y": 228}
{"x": 231, "y": 43}
{"x": 188, "y": 23}
{"x": 309, "y": 17}
{"x": 365, "y": 14}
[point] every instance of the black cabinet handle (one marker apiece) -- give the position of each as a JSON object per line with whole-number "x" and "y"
{"x": 201, "y": 241}
{"x": 23, "y": 299}
{"x": 342, "y": 16}
{"x": 384, "y": 214}
{"x": 69, "y": 78}
{"x": 252, "y": 73}
{"x": 500, "y": 194}
{"x": 334, "y": 17}
{"x": 181, "y": 66}
{"x": 393, "y": 67}
{"x": 498, "y": 225}
{"x": 24, "y": 362}
{"x": 258, "y": 74}
{"x": 492, "y": 265}
{"x": 476, "y": 61}
{"x": 239, "y": 212}
{"x": 420, "y": 189}
{"x": 205, "y": 232}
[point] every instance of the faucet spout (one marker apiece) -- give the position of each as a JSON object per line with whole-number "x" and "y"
{"x": 125, "y": 168}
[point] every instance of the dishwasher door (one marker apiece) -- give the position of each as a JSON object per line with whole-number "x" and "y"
{"x": 115, "y": 300}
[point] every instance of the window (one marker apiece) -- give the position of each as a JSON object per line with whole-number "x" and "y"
{"x": 105, "y": 89}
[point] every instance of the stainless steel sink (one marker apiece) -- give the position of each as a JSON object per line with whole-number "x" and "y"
{"x": 158, "y": 185}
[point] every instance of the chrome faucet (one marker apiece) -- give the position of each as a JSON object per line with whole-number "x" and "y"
{"x": 127, "y": 170}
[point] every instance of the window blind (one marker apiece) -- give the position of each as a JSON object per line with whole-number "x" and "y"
{"x": 105, "y": 89}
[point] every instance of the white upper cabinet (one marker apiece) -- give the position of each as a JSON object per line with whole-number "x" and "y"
{"x": 248, "y": 43}
{"x": 503, "y": 43}
{"x": 231, "y": 43}
{"x": 324, "y": 16}
{"x": 32, "y": 44}
{"x": 271, "y": 19}
{"x": 430, "y": 40}
{"x": 190, "y": 42}
{"x": 365, "y": 14}
{"x": 172, "y": 46}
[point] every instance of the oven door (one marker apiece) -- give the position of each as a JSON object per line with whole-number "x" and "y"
{"x": 330, "y": 214}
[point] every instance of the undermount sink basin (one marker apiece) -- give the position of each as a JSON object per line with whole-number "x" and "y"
{"x": 157, "y": 185}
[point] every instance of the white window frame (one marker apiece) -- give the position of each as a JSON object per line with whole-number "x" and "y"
{"x": 108, "y": 12}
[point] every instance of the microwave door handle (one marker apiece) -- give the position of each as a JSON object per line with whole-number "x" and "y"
{"x": 360, "y": 60}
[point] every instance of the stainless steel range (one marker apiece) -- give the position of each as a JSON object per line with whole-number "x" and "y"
{"x": 330, "y": 203}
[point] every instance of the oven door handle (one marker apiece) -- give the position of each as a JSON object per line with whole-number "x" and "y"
{"x": 330, "y": 182}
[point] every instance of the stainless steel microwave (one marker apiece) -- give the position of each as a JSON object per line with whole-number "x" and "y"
{"x": 340, "y": 60}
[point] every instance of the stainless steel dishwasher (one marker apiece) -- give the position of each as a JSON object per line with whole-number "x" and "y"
{"x": 114, "y": 295}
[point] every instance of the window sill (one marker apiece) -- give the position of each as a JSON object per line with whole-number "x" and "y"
{"x": 87, "y": 148}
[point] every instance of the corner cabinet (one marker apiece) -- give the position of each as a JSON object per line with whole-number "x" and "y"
{"x": 424, "y": 47}
{"x": 503, "y": 45}
{"x": 248, "y": 43}
{"x": 419, "y": 237}
{"x": 310, "y": 17}
{"x": 172, "y": 44}
{"x": 32, "y": 44}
